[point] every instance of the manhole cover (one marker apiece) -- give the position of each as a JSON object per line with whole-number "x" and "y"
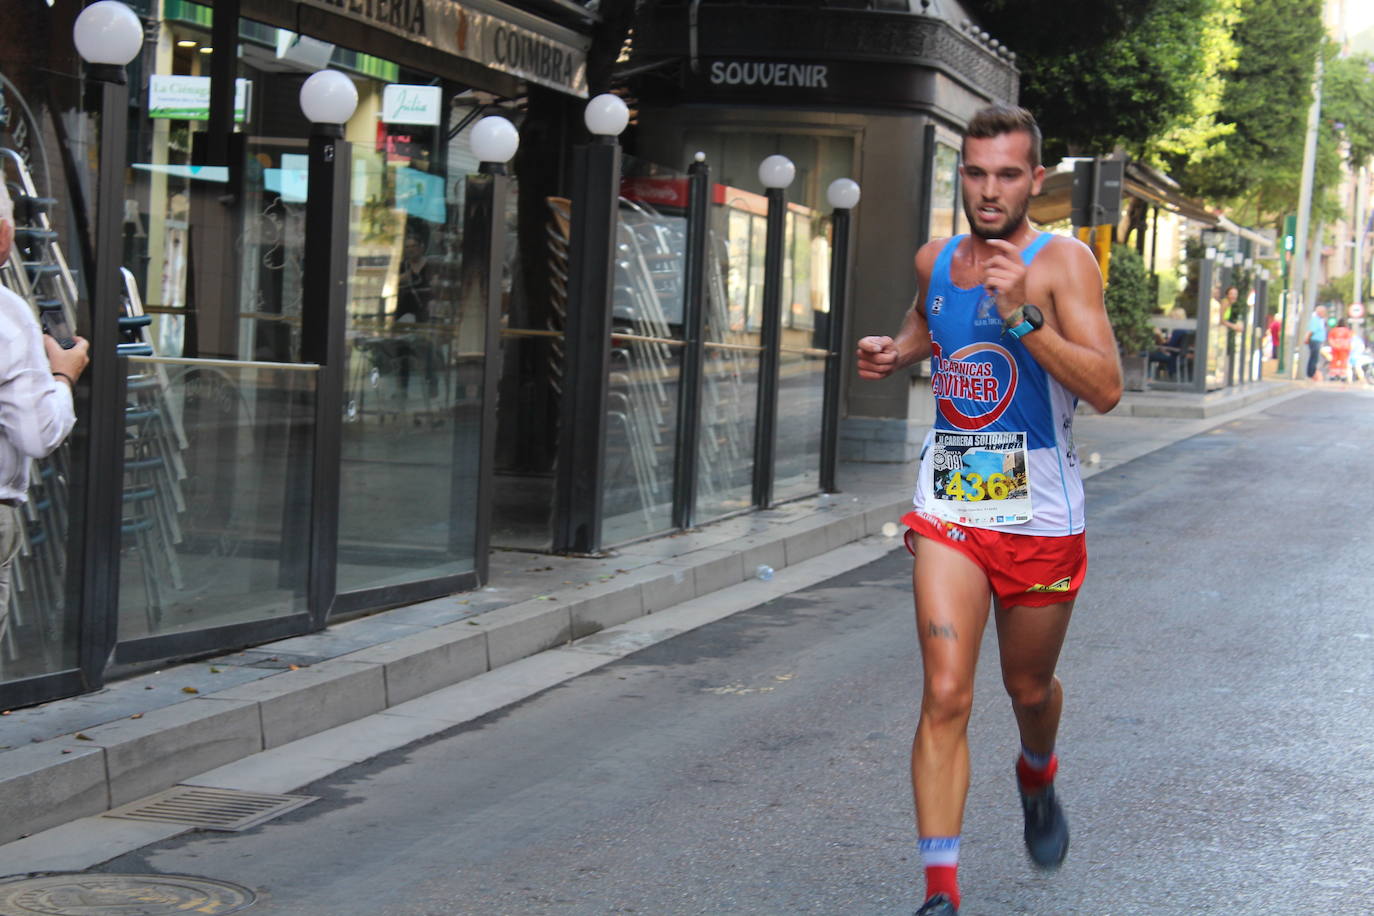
{"x": 125, "y": 895}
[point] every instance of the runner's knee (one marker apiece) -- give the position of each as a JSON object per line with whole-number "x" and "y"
{"x": 947, "y": 699}
{"x": 1030, "y": 692}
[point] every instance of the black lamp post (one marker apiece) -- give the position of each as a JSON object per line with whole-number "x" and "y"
{"x": 694, "y": 330}
{"x": 494, "y": 141}
{"x": 108, "y": 36}
{"x": 843, "y": 195}
{"x": 580, "y": 478}
{"x": 1202, "y": 344}
{"x": 328, "y": 99}
{"x": 775, "y": 173}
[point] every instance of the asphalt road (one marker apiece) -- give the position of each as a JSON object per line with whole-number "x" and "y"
{"x": 1217, "y": 751}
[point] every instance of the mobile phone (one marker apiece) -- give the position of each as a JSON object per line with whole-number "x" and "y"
{"x": 55, "y": 326}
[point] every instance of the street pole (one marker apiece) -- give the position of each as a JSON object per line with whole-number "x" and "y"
{"x": 694, "y": 330}
{"x": 842, "y": 194}
{"x": 1300, "y": 243}
{"x": 108, "y": 36}
{"x": 580, "y": 475}
{"x": 328, "y": 99}
{"x": 494, "y": 141}
{"x": 776, "y": 173}
{"x": 1361, "y": 177}
{"x": 1313, "y": 267}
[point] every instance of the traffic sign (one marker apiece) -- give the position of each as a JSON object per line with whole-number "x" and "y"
{"x": 1355, "y": 310}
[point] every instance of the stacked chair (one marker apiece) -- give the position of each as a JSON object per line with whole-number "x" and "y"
{"x": 37, "y": 271}
{"x": 154, "y": 440}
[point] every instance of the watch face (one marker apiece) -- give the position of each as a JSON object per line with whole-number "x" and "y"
{"x": 1033, "y": 315}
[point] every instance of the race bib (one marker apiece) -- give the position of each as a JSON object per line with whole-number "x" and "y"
{"x": 980, "y": 478}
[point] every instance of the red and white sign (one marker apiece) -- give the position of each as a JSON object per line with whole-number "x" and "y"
{"x": 659, "y": 192}
{"x": 1355, "y": 310}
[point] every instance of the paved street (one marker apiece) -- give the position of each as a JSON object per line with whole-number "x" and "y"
{"x": 1216, "y": 749}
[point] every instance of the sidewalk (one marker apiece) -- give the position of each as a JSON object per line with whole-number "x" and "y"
{"x": 79, "y": 757}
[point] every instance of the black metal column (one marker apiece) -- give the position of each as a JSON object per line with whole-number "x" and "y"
{"x": 926, "y": 205}
{"x": 580, "y": 476}
{"x": 100, "y": 391}
{"x": 839, "y": 333}
{"x": 224, "y": 63}
{"x": 694, "y": 354}
{"x": 765, "y": 429}
{"x": 1202, "y": 342}
{"x": 484, "y": 241}
{"x": 323, "y": 312}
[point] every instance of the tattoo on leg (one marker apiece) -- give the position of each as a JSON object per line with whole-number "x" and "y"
{"x": 942, "y": 630}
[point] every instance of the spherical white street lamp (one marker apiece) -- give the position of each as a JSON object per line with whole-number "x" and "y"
{"x": 328, "y": 98}
{"x": 776, "y": 171}
{"x": 606, "y": 115}
{"x": 843, "y": 193}
{"x": 494, "y": 140}
{"x": 108, "y": 33}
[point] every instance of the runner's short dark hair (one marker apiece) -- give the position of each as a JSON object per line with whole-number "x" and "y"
{"x": 995, "y": 120}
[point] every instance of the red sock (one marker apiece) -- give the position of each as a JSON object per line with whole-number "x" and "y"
{"x": 943, "y": 879}
{"x": 1033, "y": 780}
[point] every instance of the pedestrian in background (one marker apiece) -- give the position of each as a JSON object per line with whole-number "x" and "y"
{"x": 1316, "y": 336}
{"x": 36, "y": 411}
{"x": 1339, "y": 339}
{"x": 1014, "y": 325}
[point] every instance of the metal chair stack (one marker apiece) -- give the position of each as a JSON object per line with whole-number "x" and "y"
{"x": 650, "y": 249}
{"x": 727, "y": 417}
{"x": 37, "y": 271}
{"x": 154, "y": 439}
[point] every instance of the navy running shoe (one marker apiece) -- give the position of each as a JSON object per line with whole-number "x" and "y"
{"x": 1047, "y": 830}
{"x": 939, "y": 905}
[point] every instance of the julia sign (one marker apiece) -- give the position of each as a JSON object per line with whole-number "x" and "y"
{"x": 404, "y": 104}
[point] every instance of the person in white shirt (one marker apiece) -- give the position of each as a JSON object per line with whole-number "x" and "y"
{"x": 36, "y": 411}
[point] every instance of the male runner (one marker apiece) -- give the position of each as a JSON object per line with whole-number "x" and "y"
{"x": 1016, "y": 331}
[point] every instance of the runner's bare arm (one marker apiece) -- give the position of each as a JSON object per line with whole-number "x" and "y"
{"x": 879, "y": 357}
{"x": 1076, "y": 345}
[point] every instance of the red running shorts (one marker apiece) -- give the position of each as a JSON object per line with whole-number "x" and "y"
{"x": 1025, "y": 570}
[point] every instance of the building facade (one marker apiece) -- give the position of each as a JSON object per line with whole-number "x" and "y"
{"x": 450, "y": 415}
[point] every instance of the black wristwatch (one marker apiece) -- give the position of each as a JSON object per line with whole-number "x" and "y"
{"x": 1025, "y": 319}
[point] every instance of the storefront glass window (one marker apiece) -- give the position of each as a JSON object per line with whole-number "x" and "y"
{"x": 218, "y": 254}
{"x": 220, "y": 416}
{"x": 801, "y": 366}
{"x": 734, "y": 157}
{"x": 216, "y": 493}
{"x": 944, "y": 192}
{"x": 646, "y": 352}
{"x": 413, "y": 393}
{"x": 46, "y": 138}
{"x": 730, "y": 378}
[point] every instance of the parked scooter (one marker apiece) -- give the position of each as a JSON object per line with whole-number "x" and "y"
{"x": 1362, "y": 366}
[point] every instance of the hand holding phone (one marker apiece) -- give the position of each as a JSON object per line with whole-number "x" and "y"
{"x": 55, "y": 326}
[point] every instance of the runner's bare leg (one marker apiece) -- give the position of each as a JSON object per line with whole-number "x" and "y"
{"x": 1029, "y": 640}
{"x": 952, "y": 601}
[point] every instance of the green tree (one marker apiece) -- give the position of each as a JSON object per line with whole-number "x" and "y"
{"x": 1348, "y": 105}
{"x": 1130, "y": 74}
{"x": 1130, "y": 300}
{"x": 1257, "y": 167}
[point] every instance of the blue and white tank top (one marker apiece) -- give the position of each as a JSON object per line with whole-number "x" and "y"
{"x": 990, "y": 393}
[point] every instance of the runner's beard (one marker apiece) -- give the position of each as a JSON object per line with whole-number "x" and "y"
{"x": 1013, "y": 220}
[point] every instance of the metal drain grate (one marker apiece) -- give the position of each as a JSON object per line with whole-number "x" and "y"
{"x": 210, "y": 809}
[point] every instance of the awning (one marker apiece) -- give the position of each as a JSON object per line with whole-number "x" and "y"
{"x": 1142, "y": 182}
